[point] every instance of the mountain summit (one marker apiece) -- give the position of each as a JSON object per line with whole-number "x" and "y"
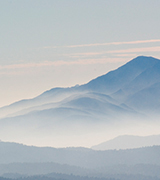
{"x": 121, "y": 77}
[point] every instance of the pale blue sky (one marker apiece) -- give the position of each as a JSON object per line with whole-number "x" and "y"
{"x": 49, "y": 43}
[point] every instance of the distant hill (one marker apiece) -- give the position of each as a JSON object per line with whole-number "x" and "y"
{"x": 18, "y": 161}
{"x": 81, "y": 157}
{"x": 128, "y": 142}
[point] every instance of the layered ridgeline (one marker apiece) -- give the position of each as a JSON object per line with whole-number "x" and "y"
{"x": 119, "y": 102}
{"x": 17, "y": 160}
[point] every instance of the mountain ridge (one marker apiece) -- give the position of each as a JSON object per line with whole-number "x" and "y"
{"x": 140, "y": 60}
{"x": 17, "y": 153}
{"x": 115, "y": 102}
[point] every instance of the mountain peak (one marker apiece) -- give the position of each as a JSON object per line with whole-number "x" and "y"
{"x": 113, "y": 80}
{"x": 143, "y": 61}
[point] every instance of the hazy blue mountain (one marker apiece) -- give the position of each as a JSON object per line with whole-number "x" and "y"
{"x": 122, "y": 84}
{"x": 83, "y": 102}
{"x": 19, "y": 161}
{"x": 51, "y": 96}
{"x": 128, "y": 142}
{"x": 82, "y": 157}
{"x": 125, "y": 97}
{"x": 69, "y": 120}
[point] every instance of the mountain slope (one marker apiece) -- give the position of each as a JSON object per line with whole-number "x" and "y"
{"x": 115, "y": 80}
{"x": 146, "y": 100}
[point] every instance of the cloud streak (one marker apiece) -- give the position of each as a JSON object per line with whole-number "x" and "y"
{"x": 137, "y": 50}
{"x": 61, "y": 63}
{"x": 115, "y": 52}
{"x": 106, "y": 44}
{"x": 85, "y": 58}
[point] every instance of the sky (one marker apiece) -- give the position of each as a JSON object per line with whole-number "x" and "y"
{"x": 62, "y": 43}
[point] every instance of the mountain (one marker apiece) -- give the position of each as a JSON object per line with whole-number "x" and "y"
{"x": 78, "y": 157}
{"x": 128, "y": 142}
{"x": 20, "y": 161}
{"x": 110, "y": 105}
{"x": 135, "y": 76}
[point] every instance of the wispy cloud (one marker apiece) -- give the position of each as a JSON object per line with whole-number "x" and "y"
{"x": 116, "y": 43}
{"x": 126, "y": 55}
{"x": 115, "y": 52}
{"x": 61, "y": 63}
{"x": 137, "y": 50}
{"x": 106, "y": 44}
{"x": 86, "y": 58}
